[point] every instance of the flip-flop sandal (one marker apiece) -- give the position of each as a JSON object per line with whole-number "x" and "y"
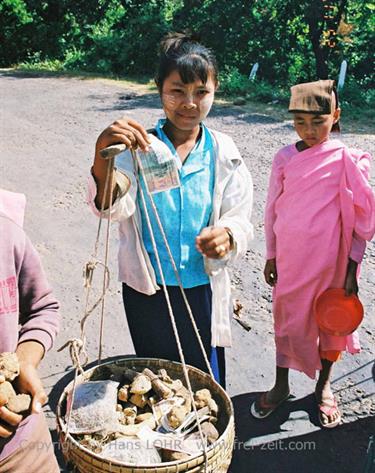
{"x": 328, "y": 409}
{"x": 261, "y": 408}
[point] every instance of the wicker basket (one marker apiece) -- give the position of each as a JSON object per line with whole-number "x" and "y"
{"x": 218, "y": 455}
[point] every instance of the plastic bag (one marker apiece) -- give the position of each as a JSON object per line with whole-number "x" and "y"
{"x": 94, "y": 407}
{"x": 159, "y": 166}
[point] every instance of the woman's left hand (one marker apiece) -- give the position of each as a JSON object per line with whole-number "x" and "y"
{"x": 213, "y": 242}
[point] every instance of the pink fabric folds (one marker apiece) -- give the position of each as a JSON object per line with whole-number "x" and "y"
{"x": 325, "y": 199}
{"x": 13, "y": 205}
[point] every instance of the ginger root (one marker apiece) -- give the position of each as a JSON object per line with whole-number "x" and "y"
{"x": 9, "y": 366}
{"x": 203, "y": 398}
{"x": 9, "y": 370}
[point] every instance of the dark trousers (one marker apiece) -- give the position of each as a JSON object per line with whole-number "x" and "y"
{"x": 152, "y": 333}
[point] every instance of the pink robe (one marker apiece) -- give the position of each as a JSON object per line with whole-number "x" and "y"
{"x": 320, "y": 210}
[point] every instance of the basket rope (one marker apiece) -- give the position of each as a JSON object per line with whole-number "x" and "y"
{"x": 138, "y": 162}
{"x": 77, "y": 346}
{"x": 170, "y": 310}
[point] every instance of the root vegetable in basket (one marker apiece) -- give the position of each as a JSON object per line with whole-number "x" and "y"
{"x": 203, "y": 398}
{"x": 164, "y": 376}
{"x": 143, "y": 417}
{"x": 139, "y": 400}
{"x": 210, "y": 432}
{"x": 182, "y": 392}
{"x": 141, "y": 384}
{"x": 133, "y": 430}
{"x": 157, "y": 384}
{"x": 127, "y": 417}
{"x": 123, "y": 393}
{"x": 176, "y": 416}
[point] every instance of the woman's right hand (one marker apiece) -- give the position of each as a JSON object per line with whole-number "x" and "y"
{"x": 126, "y": 131}
{"x": 270, "y": 272}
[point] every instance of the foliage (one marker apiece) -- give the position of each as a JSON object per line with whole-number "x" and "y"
{"x": 286, "y": 37}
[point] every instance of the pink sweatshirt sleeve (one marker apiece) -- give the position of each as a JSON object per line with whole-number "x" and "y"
{"x": 39, "y": 317}
{"x": 358, "y": 247}
{"x": 275, "y": 188}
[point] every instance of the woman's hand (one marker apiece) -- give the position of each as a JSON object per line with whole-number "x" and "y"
{"x": 213, "y": 242}
{"x": 126, "y": 131}
{"x": 351, "y": 284}
{"x": 270, "y": 272}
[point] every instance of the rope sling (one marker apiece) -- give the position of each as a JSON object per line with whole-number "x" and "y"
{"x": 77, "y": 345}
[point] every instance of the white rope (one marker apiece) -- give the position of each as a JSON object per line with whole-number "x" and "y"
{"x": 137, "y": 163}
{"x": 77, "y": 345}
{"x": 160, "y": 225}
{"x": 106, "y": 274}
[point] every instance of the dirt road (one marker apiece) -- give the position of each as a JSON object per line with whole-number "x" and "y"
{"x": 47, "y": 135}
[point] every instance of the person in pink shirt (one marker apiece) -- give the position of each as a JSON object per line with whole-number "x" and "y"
{"x": 320, "y": 211}
{"x": 29, "y": 320}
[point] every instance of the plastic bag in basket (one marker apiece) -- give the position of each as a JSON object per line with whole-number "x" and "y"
{"x": 94, "y": 407}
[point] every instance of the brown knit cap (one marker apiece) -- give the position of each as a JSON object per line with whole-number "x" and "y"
{"x": 314, "y": 97}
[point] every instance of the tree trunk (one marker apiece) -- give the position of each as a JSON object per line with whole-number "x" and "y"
{"x": 316, "y": 22}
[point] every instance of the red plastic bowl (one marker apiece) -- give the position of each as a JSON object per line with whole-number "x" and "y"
{"x": 338, "y": 314}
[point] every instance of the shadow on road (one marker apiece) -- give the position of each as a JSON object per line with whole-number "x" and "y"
{"x": 125, "y": 102}
{"x": 290, "y": 440}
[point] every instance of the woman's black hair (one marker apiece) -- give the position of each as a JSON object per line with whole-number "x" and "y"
{"x": 183, "y": 53}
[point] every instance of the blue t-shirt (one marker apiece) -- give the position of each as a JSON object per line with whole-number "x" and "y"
{"x": 183, "y": 212}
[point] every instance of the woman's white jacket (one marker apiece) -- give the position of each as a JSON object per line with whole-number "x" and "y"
{"x": 232, "y": 204}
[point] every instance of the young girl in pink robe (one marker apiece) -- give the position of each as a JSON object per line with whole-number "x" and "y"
{"x": 320, "y": 211}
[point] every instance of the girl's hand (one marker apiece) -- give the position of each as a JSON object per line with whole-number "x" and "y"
{"x": 125, "y": 130}
{"x": 270, "y": 272}
{"x": 213, "y": 242}
{"x": 351, "y": 284}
